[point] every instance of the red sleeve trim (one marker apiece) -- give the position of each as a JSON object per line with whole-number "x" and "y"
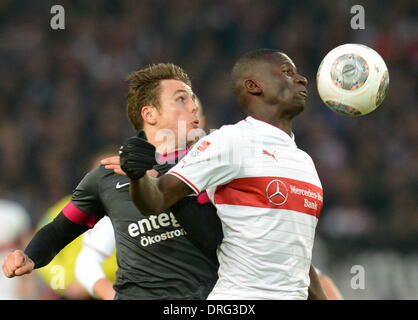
{"x": 186, "y": 181}
{"x": 71, "y": 212}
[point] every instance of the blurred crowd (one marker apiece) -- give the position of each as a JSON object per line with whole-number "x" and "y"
{"x": 62, "y": 96}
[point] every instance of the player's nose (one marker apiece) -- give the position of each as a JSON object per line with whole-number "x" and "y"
{"x": 194, "y": 107}
{"x": 301, "y": 80}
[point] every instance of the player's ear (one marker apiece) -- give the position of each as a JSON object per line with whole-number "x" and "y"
{"x": 149, "y": 115}
{"x": 252, "y": 87}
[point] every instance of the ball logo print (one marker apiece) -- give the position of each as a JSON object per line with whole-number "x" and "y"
{"x": 352, "y": 80}
{"x": 276, "y": 192}
{"x": 383, "y": 88}
{"x": 349, "y": 72}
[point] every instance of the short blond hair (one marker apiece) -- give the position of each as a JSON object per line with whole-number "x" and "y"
{"x": 144, "y": 88}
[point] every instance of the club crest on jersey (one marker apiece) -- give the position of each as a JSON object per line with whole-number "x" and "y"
{"x": 277, "y": 192}
{"x": 203, "y": 146}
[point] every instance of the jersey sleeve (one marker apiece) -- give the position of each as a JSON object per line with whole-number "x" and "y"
{"x": 214, "y": 160}
{"x": 86, "y": 206}
{"x": 88, "y": 268}
{"x": 101, "y": 238}
{"x": 98, "y": 245}
{"x": 197, "y": 217}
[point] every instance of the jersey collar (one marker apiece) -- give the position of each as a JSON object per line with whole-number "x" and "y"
{"x": 172, "y": 155}
{"x": 259, "y": 124}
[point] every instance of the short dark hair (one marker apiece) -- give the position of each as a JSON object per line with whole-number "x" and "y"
{"x": 245, "y": 63}
{"x": 244, "y": 67}
{"x": 144, "y": 88}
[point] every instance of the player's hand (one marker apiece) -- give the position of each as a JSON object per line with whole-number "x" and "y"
{"x": 103, "y": 289}
{"x": 137, "y": 156}
{"x": 17, "y": 263}
{"x": 113, "y": 163}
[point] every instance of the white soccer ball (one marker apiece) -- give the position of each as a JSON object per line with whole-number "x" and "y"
{"x": 352, "y": 80}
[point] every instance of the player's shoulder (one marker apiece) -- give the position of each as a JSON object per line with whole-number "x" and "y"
{"x": 228, "y": 130}
{"x": 94, "y": 178}
{"x": 305, "y": 154}
{"x": 99, "y": 173}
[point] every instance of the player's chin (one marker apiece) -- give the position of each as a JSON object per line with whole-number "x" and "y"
{"x": 298, "y": 106}
{"x": 194, "y": 134}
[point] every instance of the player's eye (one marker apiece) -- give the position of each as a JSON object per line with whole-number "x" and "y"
{"x": 288, "y": 72}
{"x": 181, "y": 99}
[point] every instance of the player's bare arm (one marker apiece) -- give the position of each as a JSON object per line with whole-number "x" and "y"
{"x": 103, "y": 289}
{"x": 330, "y": 289}
{"x": 315, "y": 290}
{"x": 154, "y": 195}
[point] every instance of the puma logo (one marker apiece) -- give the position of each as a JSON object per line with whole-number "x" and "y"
{"x": 265, "y": 152}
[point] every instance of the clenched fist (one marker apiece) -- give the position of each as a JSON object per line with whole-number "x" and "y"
{"x": 137, "y": 156}
{"x": 17, "y": 263}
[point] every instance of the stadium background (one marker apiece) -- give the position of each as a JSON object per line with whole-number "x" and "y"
{"x": 62, "y": 99}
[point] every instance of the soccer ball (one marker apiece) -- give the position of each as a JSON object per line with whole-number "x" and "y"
{"x": 352, "y": 80}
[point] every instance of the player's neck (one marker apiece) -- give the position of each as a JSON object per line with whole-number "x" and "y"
{"x": 283, "y": 123}
{"x": 165, "y": 144}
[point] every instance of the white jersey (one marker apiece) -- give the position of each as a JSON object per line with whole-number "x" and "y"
{"x": 14, "y": 223}
{"x": 98, "y": 245}
{"x": 268, "y": 196}
{"x": 101, "y": 238}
